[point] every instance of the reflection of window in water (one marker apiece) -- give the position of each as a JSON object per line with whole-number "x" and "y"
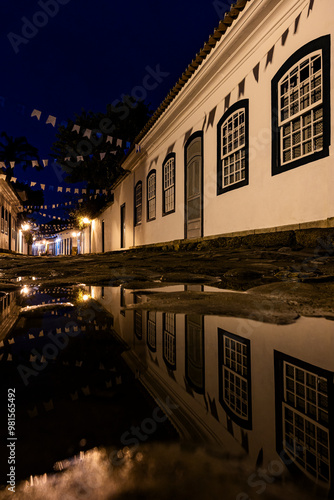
{"x": 5, "y": 301}
{"x": 169, "y": 341}
{"x": 122, "y": 300}
{"x": 305, "y": 420}
{"x": 138, "y": 317}
{"x": 151, "y": 330}
{"x": 195, "y": 352}
{"x": 138, "y": 325}
{"x": 235, "y": 377}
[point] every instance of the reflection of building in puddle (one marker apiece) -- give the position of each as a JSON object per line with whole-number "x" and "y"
{"x": 9, "y": 312}
{"x": 247, "y": 386}
{"x": 303, "y": 415}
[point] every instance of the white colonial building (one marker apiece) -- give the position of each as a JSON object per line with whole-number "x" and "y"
{"x": 66, "y": 242}
{"x": 11, "y": 236}
{"x": 242, "y": 143}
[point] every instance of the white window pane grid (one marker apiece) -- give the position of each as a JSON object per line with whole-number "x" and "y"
{"x": 305, "y": 421}
{"x": 233, "y": 149}
{"x": 169, "y": 174}
{"x": 169, "y": 199}
{"x": 151, "y": 193}
{"x": 138, "y": 323}
{"x": 301, "y": 111}
{"x": 151, "y": 187}
{"x": 306, "y": 442}
{"x": 151, "y": 209}
{"x": 235, "y": 372}
{"x": 138, "y": 203}
{"x": 169, "y": 338}
{"x": 169, "y": 185}
{"x": 151, "y": 329}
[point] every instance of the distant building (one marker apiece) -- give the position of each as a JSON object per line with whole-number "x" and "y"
{"x": 242, "y": 143}
{"x": 67, "y": 242}
{"x": 11, "y": 237}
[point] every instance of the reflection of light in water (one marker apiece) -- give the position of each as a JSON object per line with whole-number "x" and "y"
{"x": 47, "y": 306}
{"x": 83, "y": 296}
{"x": 196, "y": 473}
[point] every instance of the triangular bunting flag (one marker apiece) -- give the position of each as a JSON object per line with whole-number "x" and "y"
{"x": 270, "y": 55}
{"x": 51, "y": 119}
{"x": 297, "y": 23}
{"x": 87, "y": 133}
{"x": 211, "y": 117}
{"x": 227, "y": 101}
{"x": 187, "y": 135}
{"x": 241, "y": 88}
{"x": 256, "y": 72}
{"x": 36, "y": 113}
{"x": 285, "y": 36}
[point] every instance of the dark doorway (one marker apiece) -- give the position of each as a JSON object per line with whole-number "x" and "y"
{"x": 123, "y": 225}
{"x": 102, "y": 236}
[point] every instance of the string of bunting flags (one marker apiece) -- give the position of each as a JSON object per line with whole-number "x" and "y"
{"x": 263, "y": 63}
{"x": 52, "y": 217}
{"x": 86, "y": 132}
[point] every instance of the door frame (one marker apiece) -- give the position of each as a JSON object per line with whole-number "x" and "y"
{"x": 191, "y": 138}
{"x": 103, "y": 235}
{"x": 122, "y": 235}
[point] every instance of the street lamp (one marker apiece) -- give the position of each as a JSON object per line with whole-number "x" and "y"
{"x": 25, "y": 227}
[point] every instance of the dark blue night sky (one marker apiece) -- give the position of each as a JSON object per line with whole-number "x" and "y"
{"x": 89, "y": 54}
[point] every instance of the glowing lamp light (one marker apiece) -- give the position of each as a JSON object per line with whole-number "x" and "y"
{"x": 75, "y": 234}
{"x": 25, "y": 227}
{"x": 25, "y": 290}
{"x": 85, "y": 220}
{"x": 85, "y": 297}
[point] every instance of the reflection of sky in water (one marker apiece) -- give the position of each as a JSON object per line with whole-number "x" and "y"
{"x": 247, "y": 388}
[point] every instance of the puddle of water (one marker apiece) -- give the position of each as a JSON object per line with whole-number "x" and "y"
{"x": 260, "y": 393}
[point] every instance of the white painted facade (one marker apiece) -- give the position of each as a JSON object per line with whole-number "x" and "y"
{"x": 11, "y": 236}
{"x": 67, "y": 242}
{"x": 290, "y": 198}
{"x": 204, "y": 414}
